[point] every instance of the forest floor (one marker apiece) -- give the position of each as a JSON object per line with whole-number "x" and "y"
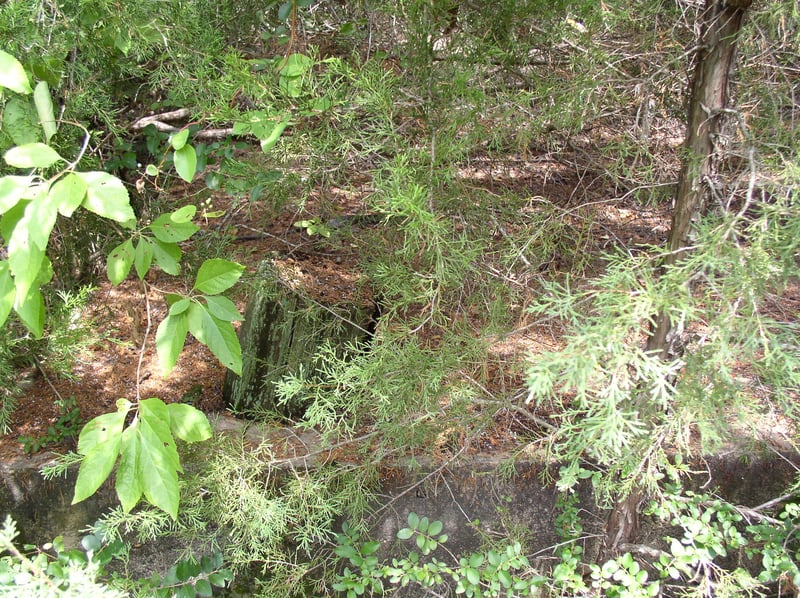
{"x": 125, "y": 351}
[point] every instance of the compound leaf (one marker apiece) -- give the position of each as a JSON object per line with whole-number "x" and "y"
{"x": 128, "y": 485}
{"x": 157, "y": 474}
{"x": 167, "y": 256}
{"x": 68, "y": 192}
{"x": 222, "y": 308}
{"x": 7, "y": 292}
{"x": 12, "y": 189}
{"x": 143, "y": 257}
{"x": 99, "y": 443}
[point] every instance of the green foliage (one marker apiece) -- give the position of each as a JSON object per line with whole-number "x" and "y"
{"x": 30, "y": 205}
{"x": 148, "y": 458}
{"x": 623, "y": 407}
{"x": 55, "y": 571}
{"x": 189, "y": 578}
{"x": 210, "y": 323}
{"x": 774, "y": 543}
{"x": 67, "y": 425}
{"x": 502, "y": 572}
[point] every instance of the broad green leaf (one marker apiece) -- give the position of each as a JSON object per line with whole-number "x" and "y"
{"x": 31, "y": 311}
{"x": 184, "y": 214}
{"x": 20, "y": 121}
{"x": 179, "y": 306}
{"x": 154, "y": 411}
{"x": 107, "y": 196}
{"x": 170, "y": 338}
{"x": 69, "y": 192}
{"x": 119, "y": 262}
{"x": 291, "y": 86}
{"x": 473, "y": 576}
{"x": 7, "y": 292}
{"x": 170, "y": 231}
{"x": 203, "y": 588}
{"x": 157, "y": 475}
{"x": 95, "y": 469}
{"x": 188, "y": 423}
{"x": 12, "y": 189}
{"x": 179, "y": 139}
{"x": 40, "y": 218}
{"x": 102, "y": 429}
{"x": 99, "y": 442}
{"x": 217, "y": 275}
{"x": 12, "y": 74}
{"x": 186, "y": 162}
{"x": 218, "y": 335}
{"x": 405, "y": 533}
{"x": 143, "y": 257}
{"x": 167, "y": 256}
{"x": 151, "y": 170}
{"x": 25, "y": 257}
{"x": 44, "y": 106}
{"x": 268, "y": 142}
{"x": 32, "y": 155}
{"x": 222, "y": 308}
{"x": 173, "y": 298}
{"x": 296, "y": 65}
{"x": 128, "y": 485}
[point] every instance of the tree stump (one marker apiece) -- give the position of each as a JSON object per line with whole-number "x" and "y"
{"x": 295, "y": 308}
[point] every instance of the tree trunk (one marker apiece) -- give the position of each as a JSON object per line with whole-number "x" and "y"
{"x": 283, "y": 331}
{"x": 721, "y": 22}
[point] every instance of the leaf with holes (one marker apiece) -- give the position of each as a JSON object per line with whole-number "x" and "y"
{"x": 169, "y": 230}
{"x": 99, "y": 443}
{"x": 119, "y": 262}
{"x": 107, "y": 196}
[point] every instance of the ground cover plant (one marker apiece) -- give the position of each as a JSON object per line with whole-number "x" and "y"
{"x": 581, "y": 237}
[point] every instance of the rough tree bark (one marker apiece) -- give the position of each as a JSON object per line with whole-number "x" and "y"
{"x": 284, "y": 328}
{"x": 721, "y": 22}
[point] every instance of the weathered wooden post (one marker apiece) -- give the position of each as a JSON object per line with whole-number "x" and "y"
{"x": 294, "y": 309}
